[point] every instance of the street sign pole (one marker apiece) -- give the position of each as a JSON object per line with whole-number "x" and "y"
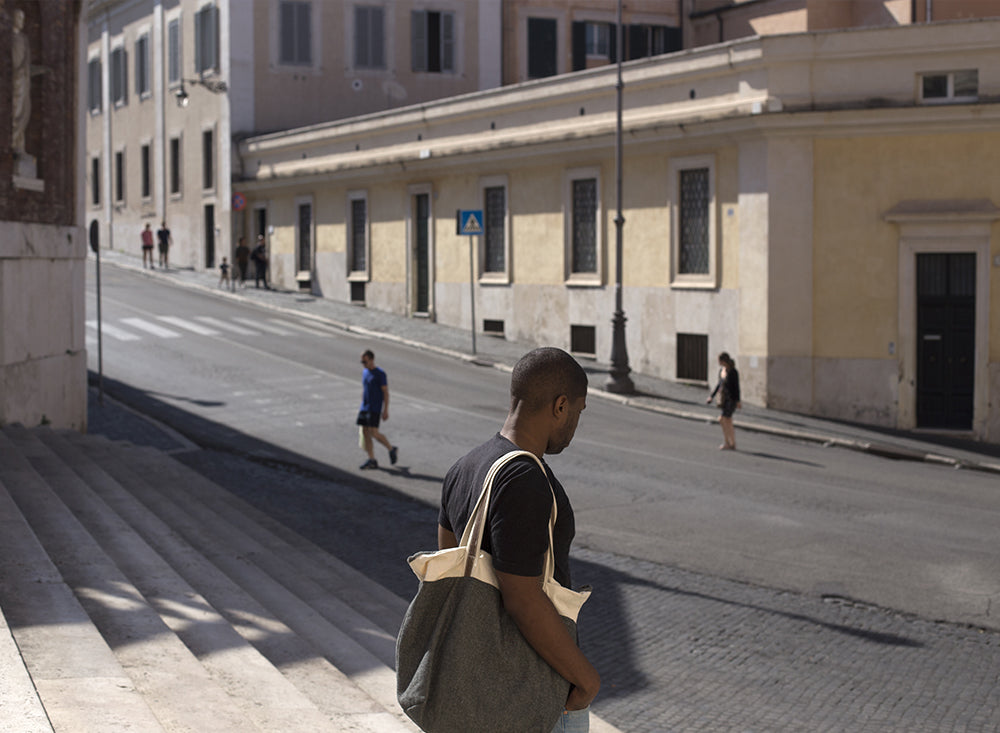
{"x": 469, "y": 223}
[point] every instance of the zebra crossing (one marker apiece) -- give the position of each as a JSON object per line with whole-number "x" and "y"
{"x": 170, "y": 327}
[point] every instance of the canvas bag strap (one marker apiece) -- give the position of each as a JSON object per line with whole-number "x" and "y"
{"x": 472, "y": 537}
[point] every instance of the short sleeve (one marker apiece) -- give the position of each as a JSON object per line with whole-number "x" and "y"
{"x": 520, "y": 510}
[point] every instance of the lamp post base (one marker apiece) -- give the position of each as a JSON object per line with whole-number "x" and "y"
{"x": 619, "y": 381}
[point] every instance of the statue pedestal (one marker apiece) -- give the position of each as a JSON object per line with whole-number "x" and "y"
{"x": 26, "y": 173}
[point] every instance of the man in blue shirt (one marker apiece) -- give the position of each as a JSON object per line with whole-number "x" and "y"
{"x": 374, "y": 405}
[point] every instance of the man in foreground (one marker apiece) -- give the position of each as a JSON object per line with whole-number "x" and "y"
{"x": 548, "y": 392}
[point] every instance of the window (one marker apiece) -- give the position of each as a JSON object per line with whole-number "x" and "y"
{"x": 120, "y": 176}
{"x": 206, "y": 39}
{"x": 494, "y": 256}
{"x": 583, "y": 235}
{"x": 119, "y": 77}
{"x": 95, "y": 181}
{"x": 597, "y": 39}
{"x": 142, "y": 66}
{"x": 642, "y": 41}
{"x": 692, "y": 356}
{"x": 174, "y": 51}
{"x": 175, "y": 166}
{"x": 583, "y": 340}
{"x": 369, "y": 37}
{"x": 208, "y": 159}
{"x": 295, "y": 33}
{"x": 95, "y": 88}
{"x": 692, "y": 236}
{"x": 955, "y": 86}
{"x": 542, "y": 44}
{"x": 146, "y": 171}
{"x": 432, "y": 40}
{"x": 357, "y": 234}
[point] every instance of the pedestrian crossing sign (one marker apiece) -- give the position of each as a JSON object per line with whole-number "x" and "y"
{"x": 469, "y": 221}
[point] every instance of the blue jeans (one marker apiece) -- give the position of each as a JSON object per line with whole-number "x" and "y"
{"x": 573, "y": 721}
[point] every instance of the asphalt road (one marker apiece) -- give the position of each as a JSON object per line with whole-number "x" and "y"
{"x": 784, "y": 587}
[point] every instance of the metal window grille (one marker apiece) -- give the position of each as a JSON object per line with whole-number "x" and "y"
{"x": 305, "y": 237}
{"x": 359, "y": 226}
{"x": 95, "y": 181}
{"x": 146, "y": 172}
{"x": 358, "y": 292}
{"x": 120, "y": 176}
{"x": 493, "y": 327}
{"x": 175, "y": 165}
{"x": 495, "y": 217}
{"x": 585, "y": 225}
{"x": 583, "y": 340}
{"x": 692, "y": 356}
{"x": 208, "y": 159}
{"x": 694, "y": 213}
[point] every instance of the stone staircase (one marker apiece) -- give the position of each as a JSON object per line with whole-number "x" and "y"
{"x": 136, "y": 595}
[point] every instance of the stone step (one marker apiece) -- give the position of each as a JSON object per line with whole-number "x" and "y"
{"x": 69, "y": 662}
{"x": 222, "y": 562}
{"x": 265, "y": 696}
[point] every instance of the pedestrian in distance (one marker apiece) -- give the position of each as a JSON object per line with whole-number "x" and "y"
{"x": 728, "y": 391}
{"x": 374, "y": 408}
{"x": 242, "y": 260}
{"x": 147, "y": 247}
{"x": 259, "y": 257}
{"x": 165, "y": 240}
{"x": 224, "y": 273}
{"x": 548, "y": 391}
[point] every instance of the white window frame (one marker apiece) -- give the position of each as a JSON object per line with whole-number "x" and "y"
{"x": 495, "y": 278}
{"x": 700, "y": 281}
{"x": 119, "y": 82}
{"x": 175, "y": 81}
{"x": 352, "y": 44}
{"x": 354, "y": 274}
{"x": 315, "y": 38}
{"x": 950, "y": 97}
{"x": 143, "y": 65}
{"x": 583, "y": 279}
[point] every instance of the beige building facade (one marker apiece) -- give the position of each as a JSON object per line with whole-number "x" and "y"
{"x": 822, "y": 205}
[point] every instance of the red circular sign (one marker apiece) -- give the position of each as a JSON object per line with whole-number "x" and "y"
{"x": 239, "y": 202}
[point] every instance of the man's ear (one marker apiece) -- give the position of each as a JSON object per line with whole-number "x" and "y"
{"x": 560, "y": 407}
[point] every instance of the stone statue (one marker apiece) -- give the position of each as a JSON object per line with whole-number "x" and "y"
{"x": 21, "y": 72}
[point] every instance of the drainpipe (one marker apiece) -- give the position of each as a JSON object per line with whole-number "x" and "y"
{"x": 927, "y": 11}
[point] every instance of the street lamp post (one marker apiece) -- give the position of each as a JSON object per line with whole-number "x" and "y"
{"x": 619, "y": 381}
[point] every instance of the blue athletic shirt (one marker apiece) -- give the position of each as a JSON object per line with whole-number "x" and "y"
{"x": 371, "y": 396}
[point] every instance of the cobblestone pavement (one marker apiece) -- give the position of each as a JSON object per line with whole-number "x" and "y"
{"x": 678, "y": 651}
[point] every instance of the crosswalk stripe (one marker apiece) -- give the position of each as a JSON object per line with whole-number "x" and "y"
{"x": 114, "y": 331}
{"x": 263, "y": 326}
{"x": 159, "y": 331}
{"x": 295, "y": 326}
{"x": 194, "y": 327}
{"x": 225, "y": 326}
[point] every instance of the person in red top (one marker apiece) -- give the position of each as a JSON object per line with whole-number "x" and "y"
{"x": 147, "y": 246}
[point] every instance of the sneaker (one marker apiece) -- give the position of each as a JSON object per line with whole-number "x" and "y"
{"x": 370, "y": 463}
{"x": 393, "y": 455}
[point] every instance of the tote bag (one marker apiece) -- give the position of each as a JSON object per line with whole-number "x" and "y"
{"x": 462, "y": 665}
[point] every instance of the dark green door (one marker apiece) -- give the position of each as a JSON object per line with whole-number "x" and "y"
{"x": 946, "y": 339}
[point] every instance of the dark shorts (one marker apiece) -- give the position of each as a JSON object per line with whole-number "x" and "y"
{"x": 368, "y": 419}
{"x": 728, "y": 408}
{"x": 148, "y": 246}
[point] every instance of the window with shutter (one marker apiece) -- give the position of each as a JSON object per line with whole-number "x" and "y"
{"x": 369, "y": 40}
{"x": 174, "y": 51}
{"x": 119, "y": 77}
{"x": 296, "y": 33}
{"x": 432, "y": 41}
{"x": 95, "y": 89}
{"x": 206, "y": 39}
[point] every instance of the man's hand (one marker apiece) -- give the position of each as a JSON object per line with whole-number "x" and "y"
{"x": 385, "y": 412}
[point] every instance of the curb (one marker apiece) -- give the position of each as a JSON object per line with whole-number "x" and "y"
{"x": 882, "y": 450}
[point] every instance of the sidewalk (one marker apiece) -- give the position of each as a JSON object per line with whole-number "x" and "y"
{"x": 658, "y": 395}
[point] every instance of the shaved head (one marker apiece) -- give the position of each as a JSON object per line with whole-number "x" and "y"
{"x": 542, "y": 375}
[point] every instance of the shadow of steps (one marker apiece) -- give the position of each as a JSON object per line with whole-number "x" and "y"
{"x": 216, "y": 621}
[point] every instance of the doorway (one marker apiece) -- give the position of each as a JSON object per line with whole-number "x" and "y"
{"x": 421, "y": 254}
{"x": 209, "y": 236}
{"x": 946, "y": 339}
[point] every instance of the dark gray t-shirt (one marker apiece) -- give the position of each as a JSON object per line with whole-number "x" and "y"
{"x": 520, "y": 507}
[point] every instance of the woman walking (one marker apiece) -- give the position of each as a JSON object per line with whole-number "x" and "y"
{"x": 728, "y": 390}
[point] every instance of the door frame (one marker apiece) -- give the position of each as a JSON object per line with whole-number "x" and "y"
{"x": 942, "y": 227}
{"x": 411, "y": 239}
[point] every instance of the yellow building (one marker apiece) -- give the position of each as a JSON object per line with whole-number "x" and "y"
{"x": 822, "y": 205}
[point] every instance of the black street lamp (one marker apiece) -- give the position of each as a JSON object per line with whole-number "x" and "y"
{"x": 215, "y": 87}
{"x": 619, "y": 381}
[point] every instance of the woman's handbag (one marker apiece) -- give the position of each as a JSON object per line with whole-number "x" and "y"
{"x": 462, "y": 665}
